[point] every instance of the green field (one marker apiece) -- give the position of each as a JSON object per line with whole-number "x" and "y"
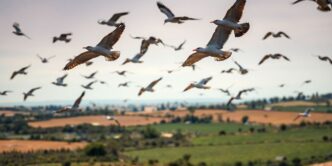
{"x": 324, "y": 109}
{"x": 245, "y": 146}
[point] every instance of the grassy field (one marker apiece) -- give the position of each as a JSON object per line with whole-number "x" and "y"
{"x": 228, "y": 149}
{"x": 302, "y": 108}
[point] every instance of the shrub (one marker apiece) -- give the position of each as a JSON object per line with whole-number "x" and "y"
{"x": 95, "y": 149}
{"x": 283, "y": 127}
{"x": 245, "y": 119}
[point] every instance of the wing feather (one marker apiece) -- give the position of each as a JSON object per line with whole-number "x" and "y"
{"x": 109, "y": 40}
{"x": 193, "y": 58}
{"x": 82, "y": 58}
{"x": 165, "y": 10}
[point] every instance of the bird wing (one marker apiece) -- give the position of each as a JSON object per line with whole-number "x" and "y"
{"x": 165, "y": 10}
{"x": 64, "y": 35}
{"x": 181, "y": 45}
{"x": 109, "y": 40}
{"x": 51, "y": 57}
{"x": 41, "y": 58}
{"x": 186, "y": 18}
{"x": 34, "y": 89}
{"x": 205, "y": 81}
{"x": 230, "y": 101}
{"x": 188, "y": 87}
{"x": 13, "y": 75}
{"x": 238, "y": 64}
{"x": 24, "y": 68}
{"x": 137, "y": 57}
{"x": 264, "y": 59}
{"x": 234, "y": 14}
{"x": 60, "y": 79}
{"x": 144, "y": 46}
{"x": 116, "y": 16}
{"x": 82, "y": 58}
{"x": 219, "y": 37}
{"x": 93, "y": 74}
{"x": 283, "y": 33}
{"x": 267, "y": 35}
{"x": 286, "y": 58}
{"x": 153, "y": 83}
{"x": 17, "y": 27}
{"x": 137, "y": 37}
{"x": 295, "y": 2}
{"x": 90, "y": 83}
{"x": 141, "y": 91}
{"x": 328, "y": 58}
{"x": 193, "y": 58}
{"x": 78, "y": 100}
{"x": 297, "y": 117}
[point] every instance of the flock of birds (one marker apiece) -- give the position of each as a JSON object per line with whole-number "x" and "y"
{"x": 214, "y": 48}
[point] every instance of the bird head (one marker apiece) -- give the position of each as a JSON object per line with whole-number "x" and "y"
{"x": 89, "y": 48}
{"x": 198, "y": 49}
{"x": 214, "y": 21}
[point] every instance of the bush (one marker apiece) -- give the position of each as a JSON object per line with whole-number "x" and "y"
{"x": 296, "y": 161}
{"x": 245, "y": 119}
{"x": 283, "y": 127}
{"x": 325, "y": 138}
{"x": 95, "y": 149}
{"x": 222, "y": 132}
{"x": 238, "y": 163}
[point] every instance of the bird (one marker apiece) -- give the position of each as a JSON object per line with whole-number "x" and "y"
{"x": 304, "y": 114}
{"x": 18, "y": 30}
{"x": 238, "y": 96}
{"x": 177, "y": 48}
{"x": 29, "y": 93}
{"x": 200, "y": 85}
{"x": 169, "y": 86}
{"x": 112, "y": 118}
{"x": 230, "y": 70}
{"x": 62, "y": 37}
{"x": 221, "y": 35}
{"x": 306, "y": 82}
{"x": 171, "y": 17}
{"x": 121, "y": 73}
{"x": 21, "y": 71}
{"x": 146, "y": 42}
{"x": 226, "y": 91}
{"x": 91, "y": 76}
{"x": 276, "y": 35}
{"x": 45, "y": 60}
{"x": 242, "y": 70}
{"x": 235, "y": 49}
{"x": 59, "y": 81}
{"x": 125, "y": 84}
{"x": 74, "y": 107}
{"x": 273, "y": 56}
{"x": 281, "y": 85}
{"x": 149, "y": 88}
{"x": 135, "y": 59}
{"x": 113, "y": 20}
{"x": 4, "y": 93}
{"x": 103, "y": 48}
{"x": 324, "y": 58}
{"x": 88, "y": 86}
{"x": 323, "y": 5}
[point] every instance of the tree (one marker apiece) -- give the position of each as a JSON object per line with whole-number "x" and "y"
{"x": 95, "y": 149}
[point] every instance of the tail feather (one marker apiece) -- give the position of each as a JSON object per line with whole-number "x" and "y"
{"x": 68, "y": 40}
{"x": 223, "y": 57}
{"x": 114, "y": 56}
{"x": 242, "y": 30}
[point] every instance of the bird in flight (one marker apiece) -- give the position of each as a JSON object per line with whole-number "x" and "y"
{"x": 146, "y": 42}
{"x": 273, "y": 56}
{"x": 125, "y": 84}
{"x": 325, "y": 58}
{"x": 62, "y": 37}
{"x": 304, "y": 114}
{"x": 149, "y": 88}
{"x": 4, "y": 93}
{"x": 135, "y": 59}
{"x": 238, "y": 97}
{"x": 103, "y": 48}
{"x": 18, "y": 30}
{"x": 229, "y": 71}
{"x": 235, "y": 49}
{"x": 221, "y": 35}
{"x": 242, "y": 70}
{"x": 121, "y": 73}
{"x": 21, "y": 71}
{"x": 306, "y": 82}
{"x": 176, "y": 48}
{"x": 59, "y": 81}
{"x": 200, "y": 85}
{"x": 171, "y": 17}
{"x": 323, "y": 5}
{"x": 29, "y": 93}
{"x": 281, "y": 85}
{"x": 276, "y": 35}
{"x": 113, "y": 20}
{"x": 74, "y": 107}
{"x": 45, "y": 60}
{"x": 88, "y": 86}
{"x": 91, "y": 76}
{"x": 112, "y": 118}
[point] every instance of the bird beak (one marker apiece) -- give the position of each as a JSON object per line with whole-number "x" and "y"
{"x": 195, "y": 49}
{"x": 212, "y": 21}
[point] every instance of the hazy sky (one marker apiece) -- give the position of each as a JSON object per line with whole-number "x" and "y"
{"x": 309, "y": 29}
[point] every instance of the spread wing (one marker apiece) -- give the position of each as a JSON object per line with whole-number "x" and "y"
{"x": 144, "y": 46}
{"x": 267, "y": 35}
{"x": 78, "y": 101}
{"x": 165, "y": 10}
{"x": 153, "y": 83}
{"x": 188, "y": 87}
{"x": 186, "y": 18}
{"x": 205, "y": 81}
{"x": 193, "y": 58}
{"x": 17, "y": 27}
{"x": 264, "y": 59}
{"x": 284, "y": 34}
{"x": 60, "y": 79}
{"x": 219, "y": 37}
{"x": 34, "y": 89}
{"x": 234, "y": 14}
{"x": 41, "y": 58}
{"x": 64, "y": 35}
{"x": 13, "y": 75}
{"x": 116, "y": 16}
{"x": 295, "y": 2}
{"x": 286, "y": 58}
{"x": 24, "y": 68}
{"x": 82, "y": 58}
{"x": 109, "y": 40}
{"x": 140, "y": 91}
{"x": 51, "y": 57}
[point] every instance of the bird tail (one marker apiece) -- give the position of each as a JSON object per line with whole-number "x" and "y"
{"x": 114, "y": 56}
{"x": 242, "y": 30}
{"x": 224, "y": 56}
{"x": 324, "y": 9}
{"x": 55, "y": 39}
{"x": 126, "y": 61}
{"x": 68, "y": 40}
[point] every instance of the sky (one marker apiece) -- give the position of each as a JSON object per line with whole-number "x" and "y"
{"x": 308, "y": 28}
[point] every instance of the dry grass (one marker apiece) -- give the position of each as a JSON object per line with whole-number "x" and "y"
{"x": 29, "y": 145}
{"x": 11, "y": 113}
{"x": 97, "y": 120}
{"x": 296, "y": 103}
{"x": 323, "y": 164}
{"x": 256, "y": 116}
